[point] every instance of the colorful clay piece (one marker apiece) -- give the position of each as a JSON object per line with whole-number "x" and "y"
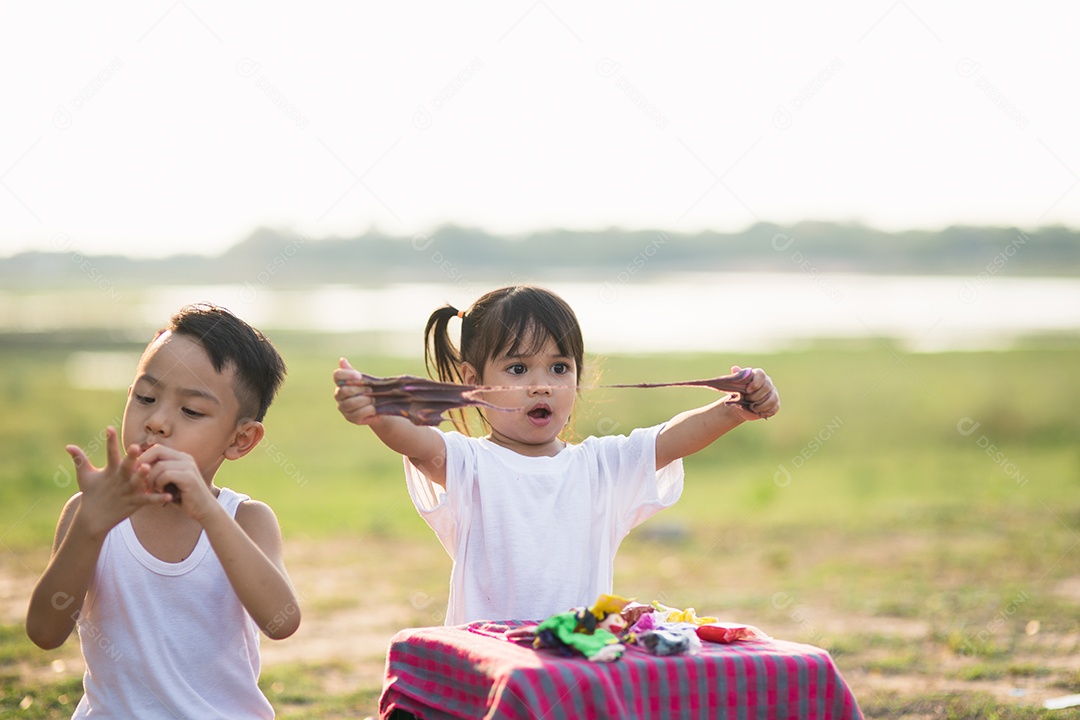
{"x": 657, "y": 629}
{"x": 424, "y": 401}
{"x": 729, "y": 632}
{"x": 421, "y": 400}
{"x": 560, "y": 632}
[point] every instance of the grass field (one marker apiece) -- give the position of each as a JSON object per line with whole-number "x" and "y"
{"x": 915, "y": 514}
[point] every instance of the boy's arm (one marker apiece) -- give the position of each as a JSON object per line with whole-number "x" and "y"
{"x": 58, "y": 595}
{"x": 694, "y": 430}
{"x": 108, "y": 495}
{"x": 249, "y": 549}
{"x": 423, "y": 445}
{"x": 247, "y": 546}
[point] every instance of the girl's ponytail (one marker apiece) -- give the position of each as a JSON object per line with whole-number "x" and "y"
{"x": 439, "y": 350}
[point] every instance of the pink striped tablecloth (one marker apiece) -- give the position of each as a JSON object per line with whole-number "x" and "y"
{"x": 473, "y": 671}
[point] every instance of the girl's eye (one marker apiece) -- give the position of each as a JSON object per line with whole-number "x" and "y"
{"x": 516, "y": 369}
{"x": 560, "y": 368}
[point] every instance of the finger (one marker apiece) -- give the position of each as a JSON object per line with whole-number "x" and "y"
{"x": 153, "y": 498}
{"x": 743, "y": 374}
{"x": 758, "y": 389}
{"x": 767, "y": 406}
{"x": 774, "y": 402}
{"x": 350, "y": 412}
{"x": 758, "y": 380}
{"x": 112, "y": 447}
{"x": 77, "y": 456}
{"x": 358, "y": 415}
{"x": 168, "y": 469}
{"x": 143, "y": 459}
{"x": 344, "y": 371}
{"x": 141, "y": 474}
{"x": 759, "y": 399}
{"x": 355, "y": 397}
{"x": 131, "y": 460}
{"x": 150, "y": 455}
{"x": 348, "y": 377}
{"x": 356, "y": 403}
{"x": 162, "y": 481}
{"x": 763, "y": 396}
{"x": 151, "y": 472}
{"x": 173, "y": 480}
{"x": 159, "y": 487}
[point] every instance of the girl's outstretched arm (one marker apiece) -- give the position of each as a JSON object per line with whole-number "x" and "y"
{"x": 694, "y": 430}
{"x": 423, "y": 445}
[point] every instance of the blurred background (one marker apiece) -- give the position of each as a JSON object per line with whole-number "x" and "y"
{"x": 876, "y": 202}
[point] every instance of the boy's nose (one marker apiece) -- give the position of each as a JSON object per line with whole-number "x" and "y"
{"x": 156, "y": 423}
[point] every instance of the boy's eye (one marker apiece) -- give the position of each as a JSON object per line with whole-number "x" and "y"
{"x": 516, "y": 369}
{"x": 193, "y": 413}
{"x": 560, "y": 368}
{"x": 144, "y": 399}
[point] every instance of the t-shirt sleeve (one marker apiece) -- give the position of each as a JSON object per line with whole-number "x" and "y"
{"x": 444, "y": 509}
{"x": 639, "y": 490}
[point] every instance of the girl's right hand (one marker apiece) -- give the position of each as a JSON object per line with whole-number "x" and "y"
{"x": 351, "y": 394}
{"x": 423, "y": 445}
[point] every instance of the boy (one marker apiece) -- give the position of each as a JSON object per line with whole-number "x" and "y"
{"x": 167, "y": 576}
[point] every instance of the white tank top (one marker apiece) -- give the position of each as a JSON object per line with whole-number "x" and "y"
{"x": 167, "y": 640}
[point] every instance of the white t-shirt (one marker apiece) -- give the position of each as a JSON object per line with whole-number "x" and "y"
{"x": 533, "y": 536}
{"x": 167, "y": 640}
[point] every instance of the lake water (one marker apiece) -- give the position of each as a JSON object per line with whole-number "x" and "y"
{"x": 688, "y": 312}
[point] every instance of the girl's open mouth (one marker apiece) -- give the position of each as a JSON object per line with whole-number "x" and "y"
{"x": 539, "y": 415}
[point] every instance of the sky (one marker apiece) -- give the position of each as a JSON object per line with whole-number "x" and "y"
{"x": 155, "y": 128}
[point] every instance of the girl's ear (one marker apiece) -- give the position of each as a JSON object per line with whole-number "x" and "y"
{"x": 469, "y": 375}
{"x": 249, "y": 433}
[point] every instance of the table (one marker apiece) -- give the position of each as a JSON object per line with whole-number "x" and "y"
{"x": 474, "y": 671}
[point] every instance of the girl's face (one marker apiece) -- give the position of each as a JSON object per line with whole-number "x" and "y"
{"x": 542, "y": 385}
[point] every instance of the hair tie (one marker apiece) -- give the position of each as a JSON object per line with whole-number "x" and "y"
{"x": 461, "y": 314}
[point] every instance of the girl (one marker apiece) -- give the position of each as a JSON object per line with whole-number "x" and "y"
{"x": 532, "y": 522}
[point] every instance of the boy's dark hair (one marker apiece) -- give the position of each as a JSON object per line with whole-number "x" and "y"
{"x": 501, "y": 323}
{"x": 228, "y": 340}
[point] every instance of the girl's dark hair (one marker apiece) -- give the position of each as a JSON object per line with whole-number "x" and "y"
{"x": 514, "y": 320}
{"x": 229, "y": 341}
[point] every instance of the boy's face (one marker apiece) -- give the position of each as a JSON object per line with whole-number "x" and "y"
{"x": 180, "y": 401}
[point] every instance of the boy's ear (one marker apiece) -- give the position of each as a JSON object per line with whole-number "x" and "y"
{"x": 469, "y": 376}
{"x": 249, "y": 433}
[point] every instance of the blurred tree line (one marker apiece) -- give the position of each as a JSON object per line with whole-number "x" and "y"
{"x": 451, "y": 253}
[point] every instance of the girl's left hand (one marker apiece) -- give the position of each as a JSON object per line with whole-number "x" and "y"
{"x": 762, "y": 395}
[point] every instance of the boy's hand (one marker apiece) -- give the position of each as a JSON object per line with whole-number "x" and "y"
{"x": 169, "y": 471}
{"x": 762, "y": 395}
{"x": 114, "y": 492}
{"x": 351, "y": 395}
